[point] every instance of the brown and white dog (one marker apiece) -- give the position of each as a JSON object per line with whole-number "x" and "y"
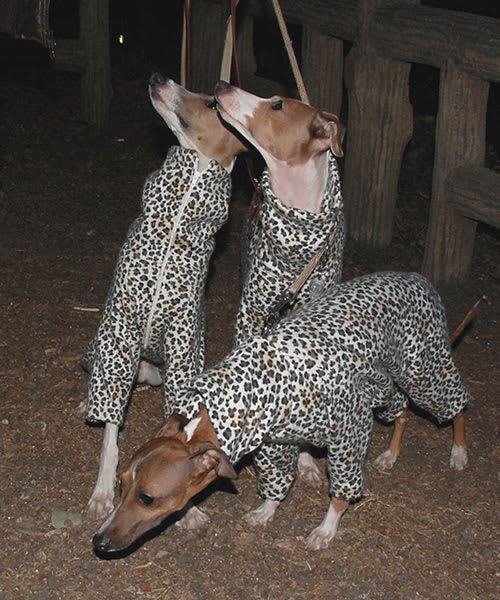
{"x": 302, "y": 205}
{"x": 153, "y": 315}
{"x": 375, "y": 342}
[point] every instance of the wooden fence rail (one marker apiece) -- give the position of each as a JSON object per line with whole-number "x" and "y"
{"x": 388, "y": 36}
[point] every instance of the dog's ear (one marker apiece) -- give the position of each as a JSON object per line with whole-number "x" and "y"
{"x": 172, "y": 425}
{"x": 327, "y": 130}
{"x": 207, "y": 458}
{"x": 200, "y": 429}
{"x": 205, "y": 452}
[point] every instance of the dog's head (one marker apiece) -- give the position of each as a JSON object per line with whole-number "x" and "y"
{"x": 194, "y": 120}
{"x": 282, "y": 129}
{"x": 183, "y": 459}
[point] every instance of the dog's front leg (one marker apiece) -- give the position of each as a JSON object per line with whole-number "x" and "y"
{"x": 275, "y": 464}
{"x": 324, "y": 533}
{"x": 100, "y": 504}
{"x": 262, "y": 515}
{"x": 193, "y": 518}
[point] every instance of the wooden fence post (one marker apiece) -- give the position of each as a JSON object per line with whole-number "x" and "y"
{"x": 460, "y": 141}
{"x": 96, "y": 88}
{"x": 380, "y": 124}
{"x": 323, "y": 69}
{"x": 208, "y": 30}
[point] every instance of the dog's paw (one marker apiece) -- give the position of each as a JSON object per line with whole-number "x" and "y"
{"x": 193, "y": 519}
{"x": 99, "y": 506}
{"x": 319, "y": 538}
{"x": 263, "y": 515}
{"x": 385, "y": 461}
{"x": 148, "y": 374}
{"x": 458, "y": 457}
{"x": 81, "y": 409}
{"x": 308, "y": 470}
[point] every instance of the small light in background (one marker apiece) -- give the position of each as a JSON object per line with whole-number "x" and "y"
{"x": 120, "y": 39}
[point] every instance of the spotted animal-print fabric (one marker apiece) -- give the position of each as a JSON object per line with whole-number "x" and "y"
{"x": 283, "y": 243}
{"x": 154, "y": 306}
{"x": 371, "y": 343}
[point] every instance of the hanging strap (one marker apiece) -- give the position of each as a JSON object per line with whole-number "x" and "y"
{"x": 227, "y": 52}
{"x": 288, "y": 297}
{"x": 231, "y": 50}
{"x": 291, "y": 54}
{"x": 186, "y": 44}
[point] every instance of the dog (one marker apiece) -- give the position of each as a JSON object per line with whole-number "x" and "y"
{"x": 371, "y": 343}
{"x": 152, "y": 328}
{"x": 301, "y": 206}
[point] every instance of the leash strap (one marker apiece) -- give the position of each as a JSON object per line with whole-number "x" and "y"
{"x": 231, "y": 41}
{"x": 186, "y": 43}
{"x": 288, "y": 297}
{"x": 291, "y": 54}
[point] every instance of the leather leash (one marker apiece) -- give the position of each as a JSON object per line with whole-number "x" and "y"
{"x": 186, "y": 44}
{"x": 288, "y": 297}
{"x": 257, "y": 197}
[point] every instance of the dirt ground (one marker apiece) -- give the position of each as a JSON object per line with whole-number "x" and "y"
{"x": 67, "y": 196}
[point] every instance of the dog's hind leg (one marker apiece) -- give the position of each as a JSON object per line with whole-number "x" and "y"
{"x": 308, "y": 470}
{"x": 458, "y": 457}
{"x": 262, "y": 515}
{"x": 386, "y": 460}
{"x": 100, "y": 504}
{"x": 148, "y": 373}
{"x": 193, "y": 518}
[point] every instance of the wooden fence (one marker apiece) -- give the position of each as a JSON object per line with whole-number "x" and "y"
{"x": 89, "y": 56}
{"x": 386, "y": 37}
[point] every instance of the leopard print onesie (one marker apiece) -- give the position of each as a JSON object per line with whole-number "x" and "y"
{"x": 154, "y": 306}
{"x": 371, "y": 343}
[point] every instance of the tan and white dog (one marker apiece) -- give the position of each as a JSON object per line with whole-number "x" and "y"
{"x": 302, "y": 205}
{"x": 152, "y": 328}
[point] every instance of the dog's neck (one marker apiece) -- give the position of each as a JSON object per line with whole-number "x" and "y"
{"x": 239, "y": 434}
{"x": 203, "y": 160}
{"x": 300, "y": 185}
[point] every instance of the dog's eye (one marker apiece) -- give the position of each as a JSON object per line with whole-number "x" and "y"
{"x": 212, "y": 104}
{"x": 146, "y": 500}
{"x": 277, "y": 105}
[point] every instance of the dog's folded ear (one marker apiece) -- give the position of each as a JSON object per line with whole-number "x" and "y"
{"x": 327, "y": 130}
{"x": 208, "y": 458}
{"x": 172, "y": 425}
{"x": 200, "y": 429}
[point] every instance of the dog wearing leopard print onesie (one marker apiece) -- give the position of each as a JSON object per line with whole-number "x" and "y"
{"x": 152, "y": 327}
{"x": 374, "y": 342}
{"x": 301, "y": 208}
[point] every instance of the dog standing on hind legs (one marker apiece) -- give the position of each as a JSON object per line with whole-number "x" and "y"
{"x": 302, "y": 205}
{"x": 152, "y": 328}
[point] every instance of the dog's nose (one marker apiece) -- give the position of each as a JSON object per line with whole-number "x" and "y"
{"x": 221, "y": 85}
{"x": 157, "y": 79}
{"x": 101, "y": 543}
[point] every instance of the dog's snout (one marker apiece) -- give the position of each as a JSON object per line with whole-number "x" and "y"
{"x": 157, "y": 79}
{"x": 101, "y": 543}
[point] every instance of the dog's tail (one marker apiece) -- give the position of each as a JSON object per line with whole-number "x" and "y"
{"x": 467, "y": 319}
